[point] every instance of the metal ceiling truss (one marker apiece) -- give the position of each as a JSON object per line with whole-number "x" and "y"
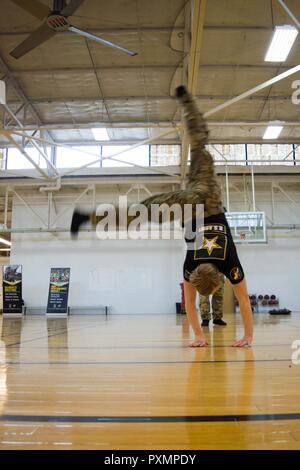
{"x": 125, "y": 99}
{"x": 48, "y": 224}
{"x": 140, "y": 125}
{"x": 159, "y": 29}
{"x": 26, "y": 105}
{"x": 197, "y": 27}
{"x": 290, "y": 13}
{"x": 156, "y": 68}
{"x": 214, "y": 110}
{"x": 51, "y": 168}
{"x": 87, "y": 195}
{"x": 99, "y": 159}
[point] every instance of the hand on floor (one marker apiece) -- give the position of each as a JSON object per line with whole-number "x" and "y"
{"x": 243, "y": 343}
{"x": 199, "y": 343}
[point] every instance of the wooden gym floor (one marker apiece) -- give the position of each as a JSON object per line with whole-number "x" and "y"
{"x": 130, "y": 382}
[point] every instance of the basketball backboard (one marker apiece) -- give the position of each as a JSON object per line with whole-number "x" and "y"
{"x": 247, "y": 227}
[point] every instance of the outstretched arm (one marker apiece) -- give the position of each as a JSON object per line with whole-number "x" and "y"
{"x": 190, "y": 294}
{"x": 241, "y": 293}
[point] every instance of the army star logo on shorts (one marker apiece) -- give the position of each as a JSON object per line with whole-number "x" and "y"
{"x": 236, "y": 274}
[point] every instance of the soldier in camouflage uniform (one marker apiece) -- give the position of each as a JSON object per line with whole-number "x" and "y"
{"x": 206, "y": 264}
{"x": 217, "y": 307}
{"x": 202, "y": 185}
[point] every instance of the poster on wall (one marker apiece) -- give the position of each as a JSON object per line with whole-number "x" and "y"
{"x": 58, "y": 290}
{"x": 12, "y": 288}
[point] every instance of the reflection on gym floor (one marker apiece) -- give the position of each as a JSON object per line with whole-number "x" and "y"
{"x": 11, "y": 337}
{"x": 57, "y": 329}
{"x": 70, "y": 381}
{"x": 9, "y": 352}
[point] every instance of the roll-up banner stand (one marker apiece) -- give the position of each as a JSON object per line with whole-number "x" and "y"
{"x": 58, "y": 292}
{"x": 12, "y": 290}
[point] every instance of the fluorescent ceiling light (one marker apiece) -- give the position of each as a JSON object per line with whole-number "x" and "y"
{"x": 100, "y": 133}
{"x": 281, "y": 44}
{"x": 273, "y": 131}
{"x": 5, "y": 249}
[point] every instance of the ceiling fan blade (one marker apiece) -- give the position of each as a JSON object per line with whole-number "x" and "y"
{"x": 71, "y": 7}
{"x": 92, "y": 37}
{"x": 40, "y": 35}
{"x": 34, "y": 7}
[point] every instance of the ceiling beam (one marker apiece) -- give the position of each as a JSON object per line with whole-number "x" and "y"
{"x": 79, "y": 70}
{"x": 283, "y": 174}
{"x": 213, "y": 140}
{"x": 254, "y": 90}
{"x": 140, "y": 125}
{"x": 151, "y": 29}
{"x": 290, "y": 13}
{"x": 198, "y": 15}
{"x": 90, "y": 142}
{"x": 197, "y": 23}
{"x": 90, "y": 125}
{"x": 97, "y": 99}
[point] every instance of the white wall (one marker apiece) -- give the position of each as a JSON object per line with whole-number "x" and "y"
{"x": 132, "y": 276}
{"x": 144, "y": 276}
{"x": 3, "y": 261}
{"x": 274, "y": 268}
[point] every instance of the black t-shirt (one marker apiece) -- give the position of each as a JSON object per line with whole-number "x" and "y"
{"x": 216, "y": 246}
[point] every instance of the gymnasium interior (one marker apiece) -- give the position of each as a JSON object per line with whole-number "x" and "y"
{"x": 88, "y": 115}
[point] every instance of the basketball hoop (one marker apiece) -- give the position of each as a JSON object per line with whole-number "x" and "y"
{"x": 247, "y": 227}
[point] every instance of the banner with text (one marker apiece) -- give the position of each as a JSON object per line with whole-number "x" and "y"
{"x": 58, "y": 290}
{"x": 12, "y": 288}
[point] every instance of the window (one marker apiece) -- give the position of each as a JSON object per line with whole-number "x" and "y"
{"x": 75, "y": 157}
{"x": 17, "y": 161}
{"x": 268, "y": 154}
{"x": 230, "y": 154}
{"x": 165, "y": 155}
{"x": 137, "y": 156}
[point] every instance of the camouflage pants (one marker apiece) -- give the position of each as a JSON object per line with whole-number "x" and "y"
{"x": 202, "y": 185}
{"x": 217, "y": 305}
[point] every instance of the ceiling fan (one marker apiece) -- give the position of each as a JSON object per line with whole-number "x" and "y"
{"x": 55, "y": 21}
